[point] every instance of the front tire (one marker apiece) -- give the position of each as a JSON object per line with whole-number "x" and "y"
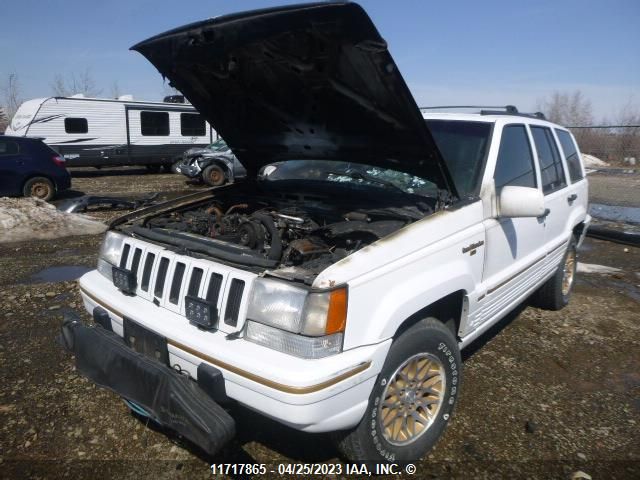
{"x": 39, "y": 187}
{"x": 554, "y": 293}
{"x": 412, "y": 401}
{"x": 214, "y": 175}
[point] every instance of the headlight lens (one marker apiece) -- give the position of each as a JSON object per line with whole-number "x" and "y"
{"x": 277, "y": 303}
{"x": 106, "y": 269}
{"x": 293, "y": 320}
{"x": 110, "y": 253}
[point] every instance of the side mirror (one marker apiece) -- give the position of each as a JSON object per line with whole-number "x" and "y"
{"x": 520, "y": 202}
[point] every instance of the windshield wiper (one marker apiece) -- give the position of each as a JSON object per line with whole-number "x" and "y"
{"x": 367, "y": 178}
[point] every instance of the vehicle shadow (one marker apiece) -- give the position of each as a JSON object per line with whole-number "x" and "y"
{"x": 490, "y": 334}
{"x": 251, "y": 427}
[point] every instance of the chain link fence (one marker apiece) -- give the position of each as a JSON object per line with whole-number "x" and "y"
{"x": 618, "y": 145}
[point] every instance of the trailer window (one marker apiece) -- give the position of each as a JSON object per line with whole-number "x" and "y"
{"x": 192, "y": 125}
{"x": 154, "y": 123}
{"x": 76, "y": 125}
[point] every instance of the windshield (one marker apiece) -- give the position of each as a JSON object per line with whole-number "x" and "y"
{"x": 463, "y": 146}
{"x": 348, "y": 172}
{"x": 218, "y": 146}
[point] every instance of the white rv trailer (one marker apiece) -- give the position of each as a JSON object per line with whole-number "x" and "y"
{"x": 101, "y": 132}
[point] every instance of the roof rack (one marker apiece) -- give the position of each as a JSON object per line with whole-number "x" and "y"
{"x": 493, "y": 110}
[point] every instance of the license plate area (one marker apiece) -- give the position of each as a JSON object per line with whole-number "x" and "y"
{"x": 144, "y": 341}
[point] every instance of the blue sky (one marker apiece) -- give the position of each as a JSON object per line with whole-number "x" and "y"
{"x": 450, "y": 52}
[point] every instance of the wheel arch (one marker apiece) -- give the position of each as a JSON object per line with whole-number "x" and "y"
{"x": 448, "y": 310}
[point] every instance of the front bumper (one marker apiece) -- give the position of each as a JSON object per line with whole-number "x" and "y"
{"x": 172, "y": 399}
{"x": 321, "y": 395}
{"x": 189, "y": 169}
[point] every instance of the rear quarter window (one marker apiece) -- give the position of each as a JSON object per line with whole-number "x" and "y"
{"x": 571, "y": 155}
{"x": 8, "y": 147}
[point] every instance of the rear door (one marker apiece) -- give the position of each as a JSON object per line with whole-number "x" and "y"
{"x": 557, "y": 195}
{"x": 12, "y": 166}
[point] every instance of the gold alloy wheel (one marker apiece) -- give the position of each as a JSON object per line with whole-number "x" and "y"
{"x": 40, "y": 190}
{"x": 569, "y": 272}
{"x": 412, "y": 399}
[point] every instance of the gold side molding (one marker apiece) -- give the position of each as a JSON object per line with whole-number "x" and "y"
{"x": 270, "y": 383}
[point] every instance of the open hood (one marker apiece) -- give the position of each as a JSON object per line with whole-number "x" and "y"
{"x": 311, "y": 81}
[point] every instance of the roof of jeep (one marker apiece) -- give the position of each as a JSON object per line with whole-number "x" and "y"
{"x": 488, "y": 118}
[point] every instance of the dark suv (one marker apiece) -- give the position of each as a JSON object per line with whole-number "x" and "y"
{"x": 31, "y": 168}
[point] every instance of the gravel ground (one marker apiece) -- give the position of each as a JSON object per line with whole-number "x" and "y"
{"x": 546, "y": 394}
{"x": 613, "y": 188}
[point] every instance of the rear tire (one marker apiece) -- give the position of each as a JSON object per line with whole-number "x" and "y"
{"x": 39, "y": 187}
{"x": 412, "y": 400}
{"x": 214, "y": 175}
{"x": 153, "y": 168}
{"x": 554, "y": 293}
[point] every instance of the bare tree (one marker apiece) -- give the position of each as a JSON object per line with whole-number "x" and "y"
{"x": 11, "y": 96}
{"x": 80, "y": 82}
{"x": 115, "y": 90}
{"x": 628, "y": 138}
{"x": 570, "y": 109}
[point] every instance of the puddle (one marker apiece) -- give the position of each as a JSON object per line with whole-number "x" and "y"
{"x": 615, "y": 213}
{"x": 58, "y": 274}
{"x": 621, "y": 287}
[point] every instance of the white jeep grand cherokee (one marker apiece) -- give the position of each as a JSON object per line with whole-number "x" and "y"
{"x": 332, "y": 290}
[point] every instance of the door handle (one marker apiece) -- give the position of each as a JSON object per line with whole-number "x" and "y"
{"x": 545, "y": 213}
{"x": 572, "y": 197}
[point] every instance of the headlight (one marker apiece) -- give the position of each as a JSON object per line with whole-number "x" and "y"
{"x": 110, "y": 253}
{"x": 305, "y": 322}
{"x": 277, "y": 304}
{"x": 106, "y": 269}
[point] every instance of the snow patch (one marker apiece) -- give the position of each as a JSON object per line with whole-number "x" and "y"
{"x": 593, "y": 268}
{"x": 593, "y": 162}
{"x": 23, "y": 219}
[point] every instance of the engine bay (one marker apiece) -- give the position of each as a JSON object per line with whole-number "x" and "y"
{"x": 278, "y": 230}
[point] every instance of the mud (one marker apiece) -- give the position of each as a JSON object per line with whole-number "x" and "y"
{"x": 545, "y": 394}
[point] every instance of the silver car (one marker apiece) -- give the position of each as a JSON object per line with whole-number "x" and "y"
{"x": 215, "y": 164}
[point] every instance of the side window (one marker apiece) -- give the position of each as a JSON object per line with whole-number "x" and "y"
{"x": 551, "y": 171}
{"x": 192, "y": 125}
{"x": 76, "y": 125}
{"x": 514, "y": 166}
{"x": 154, "y": 123}
{"x": 570, "y": 155}
{"x": 8, "y": 148}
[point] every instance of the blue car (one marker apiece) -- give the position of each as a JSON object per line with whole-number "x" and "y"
{"x": 31, "y": 168}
